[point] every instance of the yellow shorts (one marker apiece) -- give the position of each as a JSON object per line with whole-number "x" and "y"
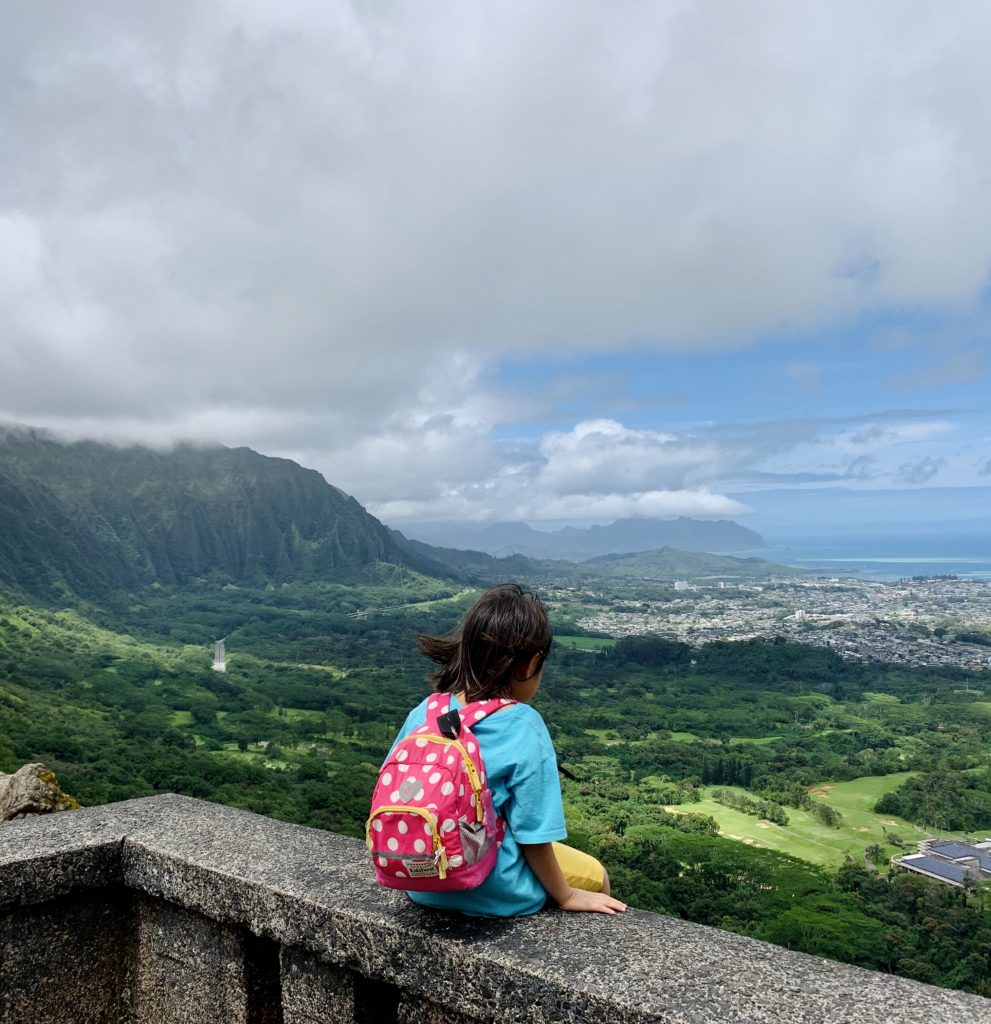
{"x": 580, "y": 869}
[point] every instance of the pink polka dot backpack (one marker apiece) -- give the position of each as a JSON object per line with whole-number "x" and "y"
{"x": 432, "y": 826}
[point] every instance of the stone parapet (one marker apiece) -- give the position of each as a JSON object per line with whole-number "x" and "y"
{"x": 169, "y": 909}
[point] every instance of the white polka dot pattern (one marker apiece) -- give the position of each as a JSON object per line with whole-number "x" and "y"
{"x": 437, "y": 788}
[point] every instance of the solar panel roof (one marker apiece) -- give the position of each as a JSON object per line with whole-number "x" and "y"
{"x": 942, "y": 868}
{"x": 954, "y": 849}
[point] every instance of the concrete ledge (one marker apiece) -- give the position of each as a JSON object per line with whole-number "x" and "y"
{"x": 242, "y": 912}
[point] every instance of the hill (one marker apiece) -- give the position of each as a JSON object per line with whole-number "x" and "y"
{"x": 577, "y": 545}
{"x": 91, "y": 518}
{"x": 670, "y": 563}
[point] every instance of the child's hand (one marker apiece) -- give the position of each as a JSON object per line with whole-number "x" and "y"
{"x": 594, "y": 902}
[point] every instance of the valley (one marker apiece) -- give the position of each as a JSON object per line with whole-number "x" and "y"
{"x": 722, "y": 754}
{"x": 654, "y": 735}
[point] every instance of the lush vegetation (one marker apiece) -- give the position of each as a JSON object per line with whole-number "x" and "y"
{"x": 942, "y": 800}
{"x": 672, "y": 750}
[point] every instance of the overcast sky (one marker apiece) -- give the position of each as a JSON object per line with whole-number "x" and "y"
{"x": 551, "y": 261}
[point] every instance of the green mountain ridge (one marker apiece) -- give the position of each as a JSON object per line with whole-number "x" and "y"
{"x": 669, "y": 562}
{"x": 89, "y": 518}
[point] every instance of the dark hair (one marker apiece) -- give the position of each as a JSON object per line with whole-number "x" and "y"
{"x": 506, "y": 626}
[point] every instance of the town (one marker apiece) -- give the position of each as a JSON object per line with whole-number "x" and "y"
{"x": 919, "y": 622}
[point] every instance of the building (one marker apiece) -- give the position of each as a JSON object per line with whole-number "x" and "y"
{"x": 950, "y": 860}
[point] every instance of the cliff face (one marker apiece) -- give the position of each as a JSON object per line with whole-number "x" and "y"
{"x": 89, "y": 518}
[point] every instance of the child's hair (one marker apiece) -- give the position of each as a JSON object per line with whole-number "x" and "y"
{"x": 507, "y": 625}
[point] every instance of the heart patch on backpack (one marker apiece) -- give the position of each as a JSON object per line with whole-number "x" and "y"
{"x": 410, "y": 790}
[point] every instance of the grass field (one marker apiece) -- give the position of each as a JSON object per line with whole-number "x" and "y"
{"x": 806, "y": 837}
{"x": 296, "y": 714}
{"x": 684, "y": 737}
{"x": 230, "y": 750}
{"x": 585, "y": 643}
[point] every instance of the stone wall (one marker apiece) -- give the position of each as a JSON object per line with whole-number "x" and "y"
{"x": 169, "y": 909}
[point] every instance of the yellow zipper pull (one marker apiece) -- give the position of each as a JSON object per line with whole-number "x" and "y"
{"x": 440, "y": 857}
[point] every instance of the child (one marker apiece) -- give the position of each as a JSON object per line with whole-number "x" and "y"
{"x": 499, "y": 651}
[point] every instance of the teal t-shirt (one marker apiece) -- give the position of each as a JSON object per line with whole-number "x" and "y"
{"x": 521, "y": 772}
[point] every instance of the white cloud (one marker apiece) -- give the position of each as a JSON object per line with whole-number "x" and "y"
{"x": 603, "y": 457}
{"x": 311, "y": 227}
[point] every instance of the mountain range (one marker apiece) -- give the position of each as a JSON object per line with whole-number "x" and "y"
{"x": 90, "y": 519}
{"x": 579, "y": 544}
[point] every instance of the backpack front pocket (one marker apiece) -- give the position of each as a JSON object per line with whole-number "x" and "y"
{"x": 405, "y": 843}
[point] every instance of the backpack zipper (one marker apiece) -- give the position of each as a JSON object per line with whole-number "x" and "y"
{"x": 440, "y": 854}
{"x": 476, "y": 782}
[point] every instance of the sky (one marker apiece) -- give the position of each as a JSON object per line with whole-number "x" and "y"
{"x": 557, "y": 262}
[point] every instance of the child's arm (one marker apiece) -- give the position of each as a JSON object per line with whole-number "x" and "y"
{"x": 543, "y": 863}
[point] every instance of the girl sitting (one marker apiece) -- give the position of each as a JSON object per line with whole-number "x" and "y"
{"x": 499, "y": 650}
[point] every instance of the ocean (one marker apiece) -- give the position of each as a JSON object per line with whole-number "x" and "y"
{"x": 885, "y": 558}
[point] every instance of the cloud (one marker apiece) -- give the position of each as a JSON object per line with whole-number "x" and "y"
{"x": 861, "y": 467}
{"x": 599, "y": 469}
{"x": 340, "y": 179}
{"x": 964, "y": 367}
{"x": 920, "y": 472}
{"x": 602, "y": 468}
{"x": 604, "y": 457}
{"x": 316, "y": 228}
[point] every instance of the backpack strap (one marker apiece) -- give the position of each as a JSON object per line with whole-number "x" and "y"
{"x": 448, "y": 721}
